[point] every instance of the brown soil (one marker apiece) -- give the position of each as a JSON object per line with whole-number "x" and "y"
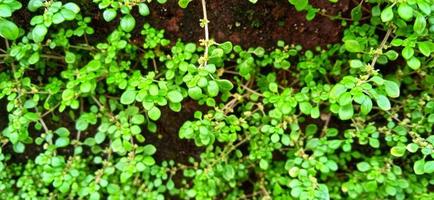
{"x": 239, "y": 21}
{"x": 249, "y": 25}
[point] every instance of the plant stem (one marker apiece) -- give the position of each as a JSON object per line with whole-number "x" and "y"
{"x": 383, "y": 43}
{"x": 205, "y": 18}
{"x": 251, "y": 90}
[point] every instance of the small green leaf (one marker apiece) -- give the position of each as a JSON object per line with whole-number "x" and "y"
{"x": 128, "y": 23}
{"x": 305, "y": 107}
{"x": 229, "y": 172}
{"x": 195, "y": 93}
{"x": 356, "y": 13}
{"x": 68, "y": 94}
{"x": 346, "y": 112}
{"x": 32, "y": 116}
{"x": 387, "y": 14}
{"x": 154, "y": 113}
{"x": 353, "y": 46}
{"x": 81, "y": 124}
{"x": 143, "y": 9}
{"x": 95, "y": 196}
{"x": 135, "y": 130}
{"x": 414, "y": 63}
{"x": 419, "y": 24}
{"x": 407, "y": 52}
{"x": 363, "y": 166}
{"x": 100, "y": 137}
{"x": 153, "y": 90}
{"x": 383, "y": 102}
{"x": 67, "y": 14}
{"x": 5, "y": 11}
{"x": 299, "y": 4}
{"x": 431, "y": 119}
{"x": 405, "y": 11}
{"x": 366, "y": 106}
{"x": 428, "y": 167}
{"x": 418, "y": 167}
{"x": 275, "y": 138}
{"x": 175, "y": 96}
{"x": 390, "y": 190}
{"x": 377, "y": 80}
{"x": 190, "y": 47}
{"x": 128, "y": 97}
{"x": 69, "y": 57}
{"x": 392, "y": 89}
{"x": 30, "y": 104}
{"x": 392, "y": 55}
{"x": 424, "y": 7}
{"x": 58, "y": 18}
{"x": 259, "y": 51}
{"x": 356, "y": 64}
{"x": 225, "y": 85}
{"x": 148, "y": 160}
{"x": 286, "y": 140}
{"x": 72, "y": 7}
{"x": 8, "y": 29}
{"x": 273, "y": 87}
{"x": 138, "y": 119}
{"x": 425, "y": 48}
{"x": 62, "y": 132}
{"x": 314, "y": 112}
{"x": 398, "y": 151}
{"x": 217, "y": 53}
{"x": 212, "y": 88}
{"x": 19, "y": 147}
{"x": 412, "y": 147}
{"x": 117, "y": 146}
{"x": 34, "y": 5}
{"x": 337, "y": 91}
{"x": 345, "y": 98}
{"x": 149, "y": 149}
{"x": 263, "y": 164}
{"x": 109, "y": 14}
{"x": 39, "y": 32}
{"x": 85, "y": 87}
{"x": 34, "y": 58}
{"x": 183, "y": 3}
{"x": 226, "y": 46}
{"x": 62, "y": 142}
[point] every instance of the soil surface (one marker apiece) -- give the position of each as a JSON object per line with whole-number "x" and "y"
{"x": 251, "y": 25}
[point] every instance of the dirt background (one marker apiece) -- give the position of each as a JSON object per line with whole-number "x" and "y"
{"x": 250, "y": 25}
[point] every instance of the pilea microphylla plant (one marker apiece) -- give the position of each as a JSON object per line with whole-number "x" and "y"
{"x": 79, "y": 119}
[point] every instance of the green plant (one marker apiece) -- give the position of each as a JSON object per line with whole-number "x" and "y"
{"x": 83, "y": 110}
{"x": 8, "y": 29}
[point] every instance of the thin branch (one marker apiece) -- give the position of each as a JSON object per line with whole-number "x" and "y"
{"x": 41, "y": 120}
{"x": 7, "y": 44}
{"x": 326, "y": 124}
{"x": 51, "y": 110}
{"x": 155, "y": 65}
{"x": 97, "y": 102}
{"x": 206, "y": 29}
{"x": 205, "y": 17}
{"x": 251, "y": 90}
{"x": 383, "y": 43}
